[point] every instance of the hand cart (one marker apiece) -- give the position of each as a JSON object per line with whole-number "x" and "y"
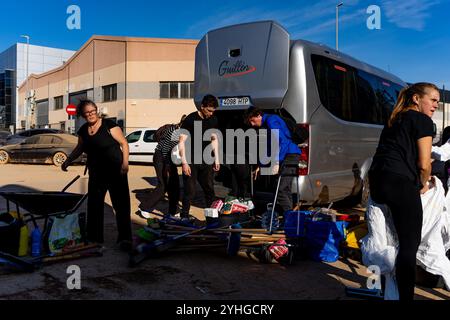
{"x": 41, "y": 206}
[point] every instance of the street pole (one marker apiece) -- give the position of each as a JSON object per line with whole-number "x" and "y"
{"x": 27, "y": 106}
{"x": 337, "y": 25}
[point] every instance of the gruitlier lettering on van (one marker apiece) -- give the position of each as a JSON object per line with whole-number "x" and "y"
{"x": 259, "y": 150}
{"x": 239, "y": 68}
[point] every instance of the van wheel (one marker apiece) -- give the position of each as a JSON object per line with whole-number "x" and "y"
{"x": 59, "y": 158}
{"x": 4, "y": 157}
{"x": 365, "y": 192}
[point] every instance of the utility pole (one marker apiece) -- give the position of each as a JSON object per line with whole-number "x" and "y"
{"x": 27, "y": 103}
{"x": 337, "y": 25}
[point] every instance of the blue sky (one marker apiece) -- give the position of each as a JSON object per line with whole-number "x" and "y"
{"x": 413, "y": 43}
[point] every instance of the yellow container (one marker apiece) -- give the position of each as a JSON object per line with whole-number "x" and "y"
{"x": 24, "y": 235}
{"x": 355, "y": 234}
{"x": 24, "y": 240}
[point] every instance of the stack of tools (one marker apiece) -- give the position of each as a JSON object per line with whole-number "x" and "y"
{"x": 174, "y": 235}
{"x": 318, "y": 232}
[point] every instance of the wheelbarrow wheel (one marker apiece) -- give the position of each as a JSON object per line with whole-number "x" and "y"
{"x": 4, "y": 157}
{"x": 59, "y": 158}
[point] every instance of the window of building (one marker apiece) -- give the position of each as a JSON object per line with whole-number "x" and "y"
{"x": 110, "y": 93}
{"x": 59, "y": 103}
{"x": 176, "y": 90}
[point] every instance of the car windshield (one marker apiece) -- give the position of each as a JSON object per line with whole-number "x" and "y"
{"x": 134, "y": 136}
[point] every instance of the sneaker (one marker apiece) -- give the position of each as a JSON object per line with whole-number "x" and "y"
{"x": 143, "y": 214}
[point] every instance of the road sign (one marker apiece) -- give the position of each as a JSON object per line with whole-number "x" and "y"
{"x": 71, "y": 110}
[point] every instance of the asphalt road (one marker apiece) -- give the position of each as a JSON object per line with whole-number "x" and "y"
{"x": 194, "y": 275}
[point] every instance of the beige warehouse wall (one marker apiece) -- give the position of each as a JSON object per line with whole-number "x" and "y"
{"x": 83, "y": 63}
{"x": 109, "y": 53}
{"x": 161, "y": 50}
{"x": 81, "y": 82}
{"x": 154, "y": 113}
{"x": 145, "y": 71}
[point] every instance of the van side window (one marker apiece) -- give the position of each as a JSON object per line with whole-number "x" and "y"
{"x": 367, "y": 97}
{"x": 352, "y": 94}
{"x": 337, "y": 87}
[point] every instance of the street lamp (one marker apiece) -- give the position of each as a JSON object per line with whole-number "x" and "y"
{"x": 27, "y": 107}
{"x": 337, "y": 25}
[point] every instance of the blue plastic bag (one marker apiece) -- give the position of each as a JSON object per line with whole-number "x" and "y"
{"x": 323, "y": 239}
{"x": 294, "y": 225}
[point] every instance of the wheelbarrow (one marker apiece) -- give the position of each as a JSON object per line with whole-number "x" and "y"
{"x": 40, "y": 205}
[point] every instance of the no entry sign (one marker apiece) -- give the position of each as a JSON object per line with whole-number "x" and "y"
{"x": 71, "y": 110}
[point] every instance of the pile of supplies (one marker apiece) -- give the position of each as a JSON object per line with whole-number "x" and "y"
{"x": 323, "y": 231}
{"x": 230, "y": 205}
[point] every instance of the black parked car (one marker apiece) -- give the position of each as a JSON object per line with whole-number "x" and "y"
{"x": 43, "y": 148}
{"x": 21, "y": 136}
{"x": 3, "y": 136}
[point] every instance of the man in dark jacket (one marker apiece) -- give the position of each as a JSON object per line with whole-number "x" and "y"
{"x": 256, "y": 118}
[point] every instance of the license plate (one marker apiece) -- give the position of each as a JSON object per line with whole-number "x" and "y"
{"x": 237, "y": 101}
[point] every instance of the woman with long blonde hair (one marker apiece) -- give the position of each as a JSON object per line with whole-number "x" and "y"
{"x": 400, "y": 173}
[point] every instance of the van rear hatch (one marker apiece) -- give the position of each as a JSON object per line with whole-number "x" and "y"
{"x": 243, "y": 65}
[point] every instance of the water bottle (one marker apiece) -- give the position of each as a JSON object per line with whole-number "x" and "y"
{"x": 36, "y": 237}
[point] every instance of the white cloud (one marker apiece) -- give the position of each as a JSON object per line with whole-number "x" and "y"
{"x": 329, "y": 25}
{"x": 292, "y": 18}
{"x": 411, "y": 14}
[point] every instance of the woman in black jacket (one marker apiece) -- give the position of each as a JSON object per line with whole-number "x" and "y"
{"x": 400, "y": 173}
{"x": 107, "y": 160}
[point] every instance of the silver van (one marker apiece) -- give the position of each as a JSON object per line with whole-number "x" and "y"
{"x": 343, "y": 102}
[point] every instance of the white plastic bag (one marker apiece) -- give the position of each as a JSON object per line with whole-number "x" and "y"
{"x": 380, "y": 246}
{"x": 431, "y": 253}
{"x": 65, "y": 232}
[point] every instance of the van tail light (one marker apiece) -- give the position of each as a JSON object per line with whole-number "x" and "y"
{"x": 303, "y": 165}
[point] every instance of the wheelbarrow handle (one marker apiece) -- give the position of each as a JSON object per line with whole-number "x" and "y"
{"x": 70, "y": 183}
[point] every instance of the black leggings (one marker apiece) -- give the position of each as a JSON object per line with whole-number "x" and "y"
{"x": 117, "y": 185}
{"x": 204, "y": 174}
{"x": 402, "y": 197}
{"x": 240, "y": 180}
{"x": 168, "y": 181}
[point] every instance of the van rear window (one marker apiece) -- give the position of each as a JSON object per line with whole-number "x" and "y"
{"x": 352, "y": 94}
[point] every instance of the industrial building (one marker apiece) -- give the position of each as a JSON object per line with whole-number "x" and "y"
{"x": 138, "y": 82}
